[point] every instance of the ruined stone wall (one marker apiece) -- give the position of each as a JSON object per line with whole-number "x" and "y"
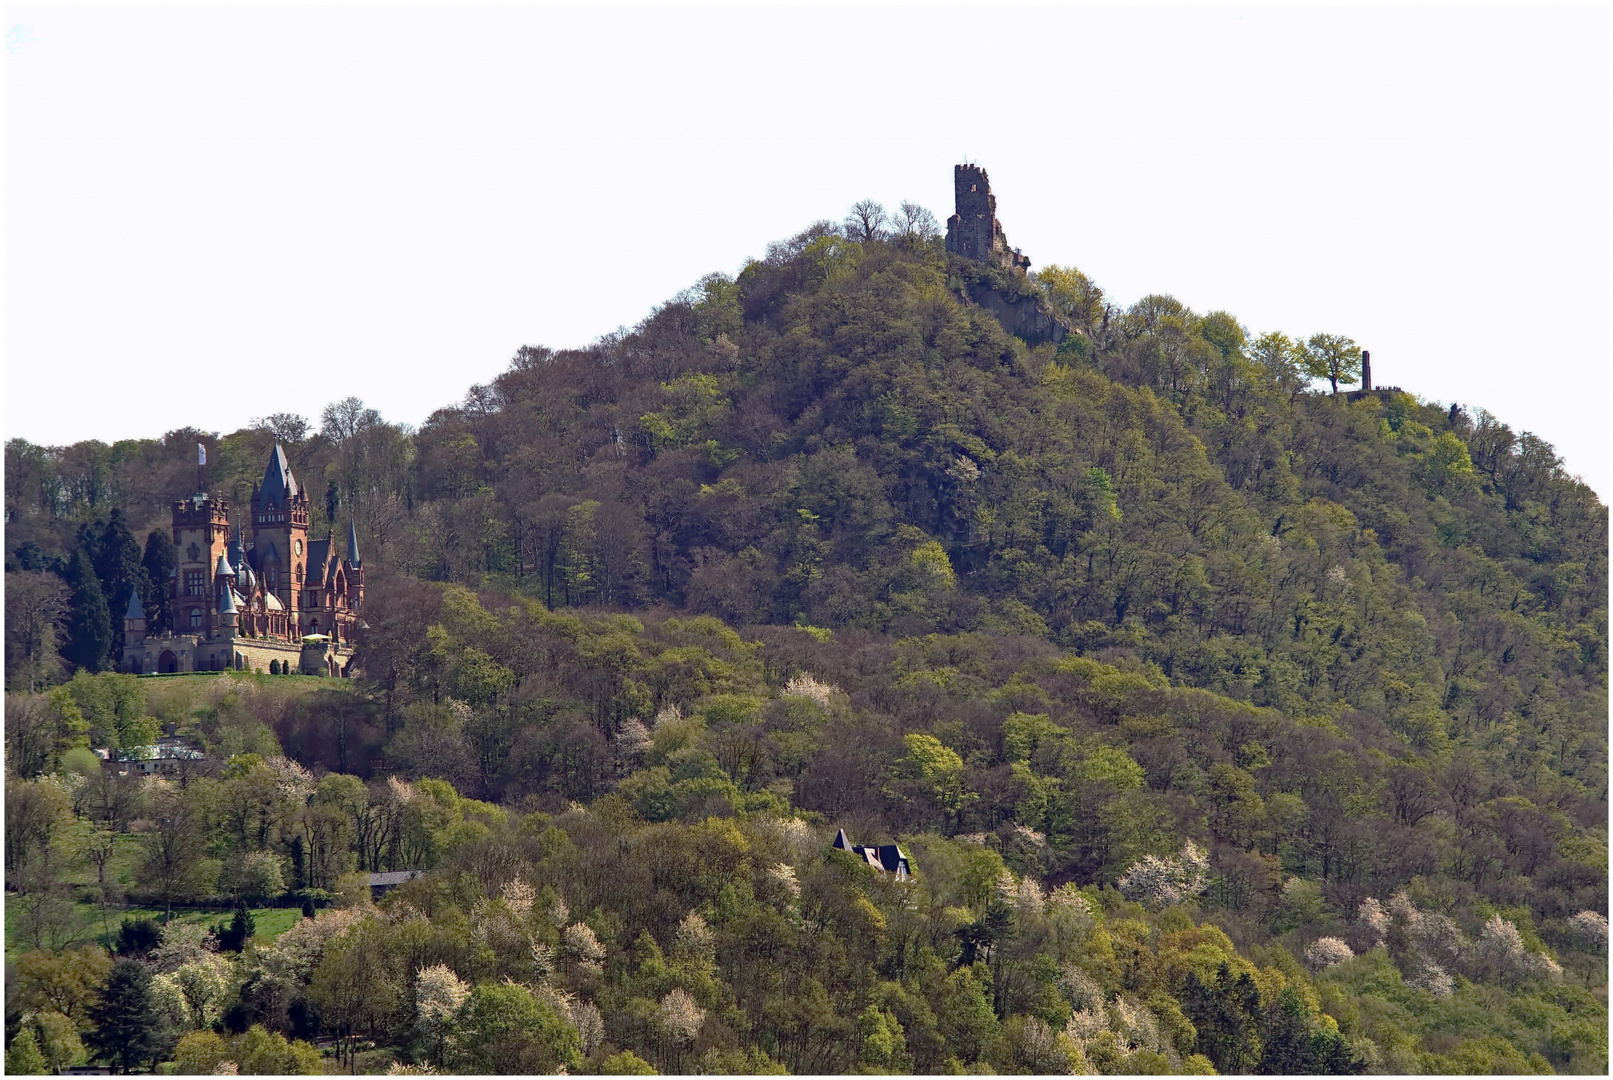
{"x": 974, "y": 231}
{"x": 998, "y": 284}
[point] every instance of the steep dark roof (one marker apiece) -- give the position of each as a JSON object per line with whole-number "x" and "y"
{"x": 135, "y": 610}
{"x": 279, "y": 486}
{"x": 318, "y": 556}
{"x": 352, "y": 544}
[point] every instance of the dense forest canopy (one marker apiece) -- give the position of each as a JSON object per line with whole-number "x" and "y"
{"x": 1231, "y": 720}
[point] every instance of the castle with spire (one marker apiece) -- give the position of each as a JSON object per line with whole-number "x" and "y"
{"x": 283, "y": 603}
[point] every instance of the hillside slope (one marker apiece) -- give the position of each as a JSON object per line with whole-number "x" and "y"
{"x": 1228, "y": 723}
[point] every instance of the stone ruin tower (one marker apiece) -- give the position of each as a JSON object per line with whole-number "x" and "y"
{"x": 974, "y": 231}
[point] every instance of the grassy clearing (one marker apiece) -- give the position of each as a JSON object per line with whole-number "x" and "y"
{"x": 88, "y": 923}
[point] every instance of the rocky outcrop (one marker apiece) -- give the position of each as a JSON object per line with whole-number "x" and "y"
{"x": 1027, "y": 317}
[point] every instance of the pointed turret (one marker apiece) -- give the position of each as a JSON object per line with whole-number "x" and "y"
{"x": 228, "y": 619}
{"x": 279, "y": 487}
{"x": 842, "y": 841}
{"x": 223, "y": 569}
{"x": 134, "y": 635}
{"x": 352, "y": 545}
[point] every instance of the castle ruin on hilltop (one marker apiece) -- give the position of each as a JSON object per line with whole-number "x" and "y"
{"x": 975, "y": 234}
{"x": 974, "y": 231}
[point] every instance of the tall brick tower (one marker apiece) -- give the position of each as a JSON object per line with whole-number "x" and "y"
{"x": 201, "y": 526}
{"x": 974, "y": 231}
{"x": 280, "y": 532}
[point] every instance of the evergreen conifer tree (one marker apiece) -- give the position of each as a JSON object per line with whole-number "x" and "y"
{"x": 117, "y": 565}
{"x": 89, "y": 631}
{"x": 125, "y": 1026}
{"x": 158, "y": 568}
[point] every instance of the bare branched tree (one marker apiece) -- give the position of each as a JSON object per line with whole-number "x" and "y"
{"x": 866, "y": 221}
{"x": 285, "y": 427}
{"x": 915, "y": 222}
{"x": 346, "y": 418}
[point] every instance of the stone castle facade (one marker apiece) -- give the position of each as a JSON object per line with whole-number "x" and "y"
{"x": 285, "y": 601}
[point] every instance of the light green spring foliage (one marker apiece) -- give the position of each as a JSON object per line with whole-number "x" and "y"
{"x": 1139, "y": 590}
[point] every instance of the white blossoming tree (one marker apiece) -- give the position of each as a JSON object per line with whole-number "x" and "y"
{"x": 1158, "y": 882}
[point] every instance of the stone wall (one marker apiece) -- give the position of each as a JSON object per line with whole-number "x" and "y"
{"x": 245, "y": 654}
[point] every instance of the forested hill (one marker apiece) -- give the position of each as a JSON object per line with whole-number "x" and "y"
{"x": 835, "y": 439}
{"x": 1230, "y": 721}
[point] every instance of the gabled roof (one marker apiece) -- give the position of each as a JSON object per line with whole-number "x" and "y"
{"x": 318, "y": 556}
{"x": 279, "y": 486}
{"x": 393, "y": 877}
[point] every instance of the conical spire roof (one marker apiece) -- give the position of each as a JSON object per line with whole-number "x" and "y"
{"x": 223, "y": 569}
{"x": 279, "y": 486}
{"x": 842, "y": 841}
{"x": 135, "y": 610}
{"x": 352, "y": 544}
{"x": 226, "y": 603}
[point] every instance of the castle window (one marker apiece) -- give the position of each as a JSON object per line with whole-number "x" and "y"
{"x": 195, "y": 617}
{"x": 195, "y": 583}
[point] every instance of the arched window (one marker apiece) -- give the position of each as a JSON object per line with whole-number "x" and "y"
{"x": 195, "y": 617}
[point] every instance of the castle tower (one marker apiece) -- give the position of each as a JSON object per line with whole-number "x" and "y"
{"x": 1366, "y": 370}
{"x": 355, "y": 569}
{"x": 280, "y": 532}
{"x": 201, "y": 527}
{"x": 223, "y": 578}
{"x": 134, "y": 621}
{"x": 227, "y": 614}
{"x": 974, "y": 231}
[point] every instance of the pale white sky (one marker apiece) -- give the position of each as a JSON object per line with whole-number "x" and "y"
{"x": 215, "y": 213}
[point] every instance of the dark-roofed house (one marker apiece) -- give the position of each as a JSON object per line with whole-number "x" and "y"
{"x": 383, "y": 883}
{"x": 286, "y": 599}
{"x": 886, "y": 858}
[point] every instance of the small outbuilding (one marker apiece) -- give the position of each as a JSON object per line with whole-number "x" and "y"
{"x": 886, "y": 858}
{"x": 381, "y": 884}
